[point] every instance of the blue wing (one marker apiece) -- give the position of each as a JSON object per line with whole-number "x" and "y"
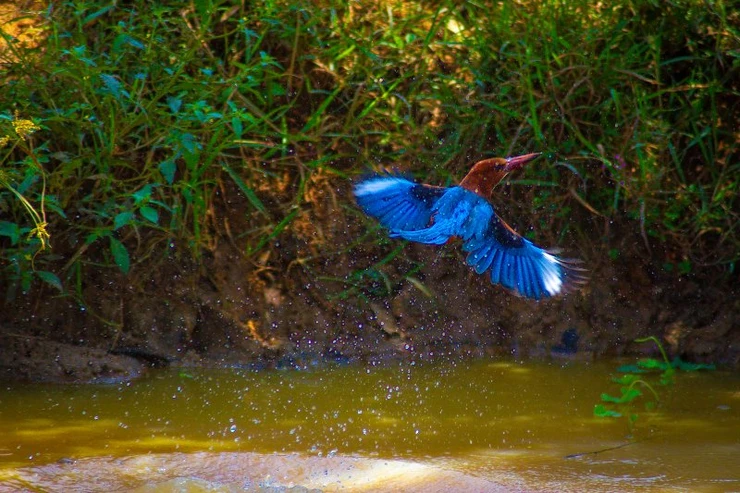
{"x": 433, "y": 215}
{"x": 455, "y": 213}
{"x": 512, "y": 261}
{"x": 518, "y": 264}
{"x": 399, "y": 204}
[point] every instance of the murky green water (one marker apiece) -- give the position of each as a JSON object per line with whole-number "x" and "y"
{"x": 512, "y": 424}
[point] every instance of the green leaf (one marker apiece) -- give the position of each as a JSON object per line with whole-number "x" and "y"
{"x": 27, "y": 183}
{"x": 316, "y": 116}
{"x": 278, "y": 229}
{"x": 168, "y": 168}
{"x": 175, "y": 104}
{"x": 629, "y": 394}
{"x": 630, "y": 369}
{"x": 626, "y": 379}
{"x": 122, "y": 219}
{"x": 113, "y": 86}
{"x": 11, "y": 230}
{"x": 600, "y": 411}
{"x": 124, "y": 39}
{"x": 652, "y": 364}
{"x": 120, "y": 255}
{"x": 52, "y": 203}
{"x": 204, "y": 8}
{"x": 143, "y": 194}
{"x": 608, "y": 398}
{"x": 188, "y": 143}
{"x": 150, "y": 214}
{"x": 50, "y": 278}
{"x": 248, "y": 192}
{"x": 89, "y": 239}
{"x": 192, "y": 159}
{"x": 666, "y": 378}
{"x": 275, "y": 89}
{"x": 95, "y": 15}
{"x": 236, "y": 125}
{"x": 26, "y": 281}
{"x": 682, "y": 365}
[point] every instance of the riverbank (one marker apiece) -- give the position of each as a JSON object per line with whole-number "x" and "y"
{"x": 229, "y": 312}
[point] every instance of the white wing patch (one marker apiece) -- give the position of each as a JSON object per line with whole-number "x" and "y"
{"x": 551, "y": 273}
{"x": 377, "y": 185}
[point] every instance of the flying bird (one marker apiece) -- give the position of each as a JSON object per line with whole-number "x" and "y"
{"x": 433, "y": 215}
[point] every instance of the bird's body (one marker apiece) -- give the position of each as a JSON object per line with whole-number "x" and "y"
{"x": 433, "y": 215}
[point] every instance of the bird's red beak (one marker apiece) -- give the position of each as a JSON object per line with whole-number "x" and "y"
{"x": 517, "y": 162}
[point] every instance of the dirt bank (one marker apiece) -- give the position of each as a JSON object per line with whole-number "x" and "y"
{"x": 308, "y": 299}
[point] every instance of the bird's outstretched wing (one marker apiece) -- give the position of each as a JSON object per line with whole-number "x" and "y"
{"x": 518, "y": 264}
{"x": 457, "y": 212}
{"x": 511, "y": 260}
{"x": 398, "y": 203}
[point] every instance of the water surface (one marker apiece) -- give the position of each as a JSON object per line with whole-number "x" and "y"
{"x": 509, "y": 423}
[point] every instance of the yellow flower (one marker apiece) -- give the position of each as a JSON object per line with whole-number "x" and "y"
{"x": 4, "y": 141}
{"x": 42, "y": 234}
{"x": 24, "y": 128}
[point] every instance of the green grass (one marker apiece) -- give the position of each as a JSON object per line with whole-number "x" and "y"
{"x": 155, "y": 118}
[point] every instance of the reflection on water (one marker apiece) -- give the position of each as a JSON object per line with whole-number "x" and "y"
{"x": 504, "y": 422}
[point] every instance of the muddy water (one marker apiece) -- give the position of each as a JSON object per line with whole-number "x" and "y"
{"x": 479, "y": 425}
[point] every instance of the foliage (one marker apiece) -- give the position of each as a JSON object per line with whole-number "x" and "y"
{"x": 37, "y": 239}
{"x": 154, "y": 119}
{"x": 649, "y": 374}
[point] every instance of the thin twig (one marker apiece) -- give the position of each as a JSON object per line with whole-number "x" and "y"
{"x": 608, "y": 449}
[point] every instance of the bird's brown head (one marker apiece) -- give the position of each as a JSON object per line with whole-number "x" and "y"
{"x": 488, "y": 173}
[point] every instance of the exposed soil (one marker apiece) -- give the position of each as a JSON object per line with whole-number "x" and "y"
{"x": 283, "y": 308}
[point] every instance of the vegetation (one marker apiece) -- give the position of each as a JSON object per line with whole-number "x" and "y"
{"x": 129, "y": 127}
{"x": 648, "y": 374}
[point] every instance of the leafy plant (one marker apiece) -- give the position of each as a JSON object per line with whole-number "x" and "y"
{"x": 17, "y": 182}
{"x": 647, "y": 374}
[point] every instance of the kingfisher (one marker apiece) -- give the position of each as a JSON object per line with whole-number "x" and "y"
{"x": 433, "y": 215}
